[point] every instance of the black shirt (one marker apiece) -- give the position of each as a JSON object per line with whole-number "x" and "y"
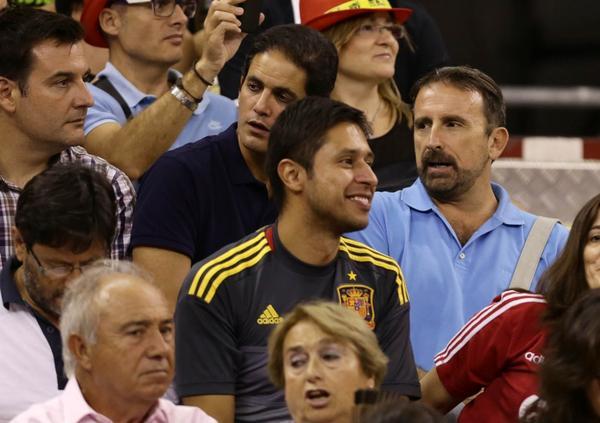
{"x": 394, "y": 164}
{"x": 199, "y": 197}
{"x": 230, "y": 302}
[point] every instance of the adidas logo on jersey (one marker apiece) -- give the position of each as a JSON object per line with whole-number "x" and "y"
{"x": 269, "y": 317}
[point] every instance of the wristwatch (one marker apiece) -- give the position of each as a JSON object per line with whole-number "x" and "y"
{"x": 183, "y": 97}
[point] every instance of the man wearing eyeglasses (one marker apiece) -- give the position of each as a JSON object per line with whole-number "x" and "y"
{"x": 65, "y": 220}
{"x": 142, "y": 107}
{"x": 118, "y": 344}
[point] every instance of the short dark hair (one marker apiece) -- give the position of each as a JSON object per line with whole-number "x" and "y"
{"x": 307, "y": 48}
{"x": 469, "y": 79}
{"x": 22, "y": 29}
{"x": 67, "y": 205}
{"x": 66, "y": 7}
{"x": 299, "y": 132}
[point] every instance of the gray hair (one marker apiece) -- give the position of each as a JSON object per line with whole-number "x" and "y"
{"x": 80, "y": 311}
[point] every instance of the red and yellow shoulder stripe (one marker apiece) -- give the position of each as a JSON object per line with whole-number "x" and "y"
{"x": 360, "y": 252}
{"x": 211, "y": 274}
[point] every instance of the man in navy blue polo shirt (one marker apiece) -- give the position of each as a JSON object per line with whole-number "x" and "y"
{"x": 65, "y": 220}
{"x": 207, "y": 194}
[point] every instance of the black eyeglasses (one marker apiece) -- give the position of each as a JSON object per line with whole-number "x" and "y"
{"x": 60, "y": 271}
{"x": 165, "y": 8}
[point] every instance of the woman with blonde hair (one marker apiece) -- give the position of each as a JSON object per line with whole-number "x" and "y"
{"x": 321, "y": 354}
{"x": 366, "y": 34}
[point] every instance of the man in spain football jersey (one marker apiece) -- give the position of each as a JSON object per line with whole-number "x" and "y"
{"x": 319, "y": 169}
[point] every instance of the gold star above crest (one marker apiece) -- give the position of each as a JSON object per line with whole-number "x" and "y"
{"x": 352, "y": 276}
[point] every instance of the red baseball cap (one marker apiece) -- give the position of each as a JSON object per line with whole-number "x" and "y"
{"x": 89, "y": 21}
{"x": 321, "y": 14}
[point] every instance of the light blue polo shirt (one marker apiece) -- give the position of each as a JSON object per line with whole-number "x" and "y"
{"x": 214, "y": 114}
{"x": 448, "y": 282}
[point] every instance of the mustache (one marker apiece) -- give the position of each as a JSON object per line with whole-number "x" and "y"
{"x": 431, "y": 156}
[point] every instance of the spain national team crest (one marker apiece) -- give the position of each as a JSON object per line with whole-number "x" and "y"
{"x": 358, "y": 298}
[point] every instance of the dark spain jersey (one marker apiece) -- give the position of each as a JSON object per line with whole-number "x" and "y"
{"x": 232, "y": 300}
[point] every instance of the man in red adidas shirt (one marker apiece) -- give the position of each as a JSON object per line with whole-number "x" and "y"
{"x": 496, "y": 355}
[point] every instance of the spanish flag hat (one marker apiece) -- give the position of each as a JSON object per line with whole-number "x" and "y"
{"x": 321, "y": 14}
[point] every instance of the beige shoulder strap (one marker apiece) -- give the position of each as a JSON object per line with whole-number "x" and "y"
{"x": 532, "y": 252}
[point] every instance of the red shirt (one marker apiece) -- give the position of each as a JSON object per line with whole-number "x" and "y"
{"x": 498, "y": 350}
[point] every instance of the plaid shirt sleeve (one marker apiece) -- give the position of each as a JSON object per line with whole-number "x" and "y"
{"x": 124, "y": 193}
{"x": 9, "y": 194}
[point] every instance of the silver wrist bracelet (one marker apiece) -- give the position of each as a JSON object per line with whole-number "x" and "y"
{"x": 184, "y": 98}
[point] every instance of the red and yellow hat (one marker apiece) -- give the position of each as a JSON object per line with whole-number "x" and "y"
{"x": 321, "y": 14}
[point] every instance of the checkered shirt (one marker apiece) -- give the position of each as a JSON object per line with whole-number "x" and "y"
{"x": 124, "y": 192}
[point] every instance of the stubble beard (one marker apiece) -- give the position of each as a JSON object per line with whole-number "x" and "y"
{"x": 327, "y": 218}
{"x": 445, "y": 189}
{"x": 33, "y": 288}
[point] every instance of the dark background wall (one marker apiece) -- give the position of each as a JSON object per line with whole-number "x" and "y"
{"x": 529, "y": 42}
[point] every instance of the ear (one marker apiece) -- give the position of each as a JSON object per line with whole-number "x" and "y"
{"x": 81, "y": 351}
{"x": 110, "y": 21}
{"x": 371, "y": 383}
{"x": 19, "y": 244}
{"x": 497, "y": 142}
{"x": 8, "y": 94}
{"x": 292, "y": 175}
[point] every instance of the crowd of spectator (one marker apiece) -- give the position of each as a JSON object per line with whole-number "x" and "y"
{"x": 325, "y": 248}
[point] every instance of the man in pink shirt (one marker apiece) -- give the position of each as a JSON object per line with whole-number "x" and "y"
{"x": 118, "y": 349}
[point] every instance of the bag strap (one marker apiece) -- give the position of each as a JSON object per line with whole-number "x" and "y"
{"x": 532, "y": 252}
{"x": 104, "y": 84}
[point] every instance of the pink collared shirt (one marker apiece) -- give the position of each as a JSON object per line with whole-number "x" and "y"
{"x": 71, "y": 407}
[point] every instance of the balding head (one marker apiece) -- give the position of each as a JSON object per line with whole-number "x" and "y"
{"x": 118, "y": 335}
